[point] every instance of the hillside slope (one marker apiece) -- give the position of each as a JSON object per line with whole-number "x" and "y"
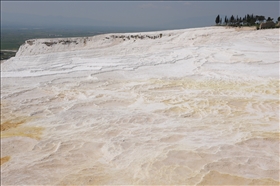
{"x": 180, "y": 107}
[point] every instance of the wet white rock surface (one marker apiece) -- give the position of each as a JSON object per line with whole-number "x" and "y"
{"x": 195, "y": 106}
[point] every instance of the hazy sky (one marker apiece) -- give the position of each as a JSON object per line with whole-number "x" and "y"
{"x": 148, "y": 14}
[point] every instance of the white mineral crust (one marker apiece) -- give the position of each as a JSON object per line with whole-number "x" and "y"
{"x": 193, "y": 106}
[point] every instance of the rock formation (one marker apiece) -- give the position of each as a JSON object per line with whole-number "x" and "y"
{"x": 268, "y": 24}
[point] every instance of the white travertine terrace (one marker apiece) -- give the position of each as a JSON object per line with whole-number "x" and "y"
{"x": 194, "y": 106}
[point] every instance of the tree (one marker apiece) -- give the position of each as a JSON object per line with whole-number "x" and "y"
{"x": 244, "y": 20}
{"x": 261, "y": 18}
{"x": 253, "y": 20}
{"x": 278, "y": 19}
{"x": 226, "y": 20}
{"x": 269, "y": 19}
{"x": 248, "y": 19}
{"x": 231, "y": 20}
{"x": 237, "y": 20}
{"x": 217, "y": 19}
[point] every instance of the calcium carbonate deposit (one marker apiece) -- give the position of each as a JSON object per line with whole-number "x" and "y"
{"x": 194, "y": 106}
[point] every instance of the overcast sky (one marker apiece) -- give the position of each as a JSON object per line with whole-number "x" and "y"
{"x": 146, "y": 14}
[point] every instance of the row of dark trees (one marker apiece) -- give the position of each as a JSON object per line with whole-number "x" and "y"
{"x": 248, "y": 20}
